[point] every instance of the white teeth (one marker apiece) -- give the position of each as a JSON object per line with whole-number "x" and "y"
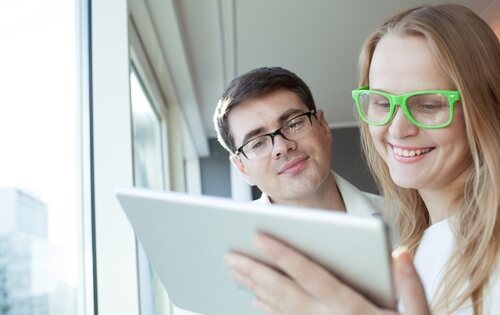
{"x": 409, "y": 153}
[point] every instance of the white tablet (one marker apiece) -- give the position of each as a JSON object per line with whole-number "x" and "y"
{"x": 186, "y": 238}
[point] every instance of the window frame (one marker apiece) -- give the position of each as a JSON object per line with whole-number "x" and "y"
{"x": 117, "y": 281}
{"x": 140, "y": 66}
{"x": 88, "y": 305}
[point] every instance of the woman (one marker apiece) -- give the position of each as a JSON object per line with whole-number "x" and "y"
{"x": 431, "y": 133}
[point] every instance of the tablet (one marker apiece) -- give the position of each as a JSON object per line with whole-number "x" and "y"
{"x": 186, "y": 238}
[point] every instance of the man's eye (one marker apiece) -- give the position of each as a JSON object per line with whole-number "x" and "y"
{"x": 256, "y": 144}
{"x": 295, "y": 125}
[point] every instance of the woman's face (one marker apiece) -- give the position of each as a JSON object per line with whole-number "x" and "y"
{"x": 434, "y": 158}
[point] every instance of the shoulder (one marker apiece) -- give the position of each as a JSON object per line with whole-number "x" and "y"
{"x": 357, "y": 201}
{"x": 375, "y": 199}
{"x": 492, "y": 302}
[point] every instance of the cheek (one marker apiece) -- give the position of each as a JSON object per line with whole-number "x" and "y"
{"x": 259, "y": 171}
{"x": 378, "y": 135}
{"x": 454, "y": 136}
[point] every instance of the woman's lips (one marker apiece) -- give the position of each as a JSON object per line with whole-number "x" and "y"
{"x": 410, "y": 154}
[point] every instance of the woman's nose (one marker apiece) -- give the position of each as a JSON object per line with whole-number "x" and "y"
{"x": 400, "y": 126}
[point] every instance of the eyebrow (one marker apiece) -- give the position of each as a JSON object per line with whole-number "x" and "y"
{"x": 252, "y": 134}
{"x": 288, "y": 114}
{"x": 281, "y": 120}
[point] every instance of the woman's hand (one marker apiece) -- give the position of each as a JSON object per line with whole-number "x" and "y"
{"x": 307, "y": 288}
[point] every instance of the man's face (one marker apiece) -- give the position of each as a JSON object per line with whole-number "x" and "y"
{"x": 293, "y": 170}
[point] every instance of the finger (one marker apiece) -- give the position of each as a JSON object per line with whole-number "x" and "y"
{"x": 266, "y": 308}
{"x": 242, "y": 279}
{"x": 408, "y": 284}
{"x": 269, "y": 285}
{"x": 313, "y": 278}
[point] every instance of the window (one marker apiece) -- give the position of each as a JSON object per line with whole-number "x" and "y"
{"x": 41, "y": 254}
{"x": 164, "y": 157}
{"x": 147, "y": 138}
{"x": 149, "y": 172}
{"x": 121, "y": 273}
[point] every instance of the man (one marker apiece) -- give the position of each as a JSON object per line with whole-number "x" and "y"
{"x": 279, "y": 141}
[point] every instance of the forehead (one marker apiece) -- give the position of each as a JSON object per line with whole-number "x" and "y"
{"x": 263, "y": 113}
{"x": 402, "y": 64}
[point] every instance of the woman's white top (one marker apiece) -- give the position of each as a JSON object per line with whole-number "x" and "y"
{"x": 431, "y": 257}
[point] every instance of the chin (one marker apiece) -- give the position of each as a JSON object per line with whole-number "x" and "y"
{"x": 408, "y": 182}
{"x": 300, "y": 192}
{"x": 405, "y": 185}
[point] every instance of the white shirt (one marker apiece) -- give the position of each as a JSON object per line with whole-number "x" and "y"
{"x": 430, "y": 259}
{"x": 356, "y": 201}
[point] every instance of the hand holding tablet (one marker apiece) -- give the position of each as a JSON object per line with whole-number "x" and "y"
{"x": 187, "y": 237}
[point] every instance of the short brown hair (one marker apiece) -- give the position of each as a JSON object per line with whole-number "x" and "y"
{"x": 252, "y": 84}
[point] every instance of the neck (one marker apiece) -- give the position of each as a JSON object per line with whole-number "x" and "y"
{"x": 442, "y": 202}
{"x": 326, "y": 197}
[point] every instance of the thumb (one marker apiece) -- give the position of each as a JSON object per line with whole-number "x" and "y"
{"x": 408, "y": 284}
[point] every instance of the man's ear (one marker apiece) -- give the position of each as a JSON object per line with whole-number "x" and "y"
{"x": 235, "y": 160}
{"x": 323, "y": 123}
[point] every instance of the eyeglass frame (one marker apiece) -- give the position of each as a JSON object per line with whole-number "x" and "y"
{"x": 273, "y": 134}
{"x": 400, "y": 100}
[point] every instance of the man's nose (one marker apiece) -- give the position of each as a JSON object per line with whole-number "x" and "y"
{"x": 282, "y": 146}
{"x": 400, "y": 127}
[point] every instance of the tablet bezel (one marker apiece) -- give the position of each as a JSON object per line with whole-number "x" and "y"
{"x": 186, "y": 238}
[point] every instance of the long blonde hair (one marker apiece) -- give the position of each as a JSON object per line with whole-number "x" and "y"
{"x": 468, "y": 51}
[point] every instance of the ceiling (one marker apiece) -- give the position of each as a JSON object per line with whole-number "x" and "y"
{"x": 317, "y": 39}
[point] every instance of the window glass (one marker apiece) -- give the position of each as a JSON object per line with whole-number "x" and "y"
{"x": 41, "y": 264}
{"x": 148, "y": 165}
{"x": 148, "y": 172}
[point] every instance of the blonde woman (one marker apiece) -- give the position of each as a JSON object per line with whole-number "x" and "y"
{"x": 429, "y": 106}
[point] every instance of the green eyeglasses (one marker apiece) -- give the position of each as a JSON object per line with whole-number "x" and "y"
{"x": 430, "y": 109}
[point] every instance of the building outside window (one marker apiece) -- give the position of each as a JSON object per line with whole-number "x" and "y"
{"x": 41, "y": 264}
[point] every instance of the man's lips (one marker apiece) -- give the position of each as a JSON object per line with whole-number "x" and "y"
{"x": 292, "y": 165}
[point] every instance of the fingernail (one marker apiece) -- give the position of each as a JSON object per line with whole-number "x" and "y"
{"x": 229, "y": 261}
{"x": 257, "y": 242}
{"x": 398, "y": 251}
{"x": 403, "y": 260}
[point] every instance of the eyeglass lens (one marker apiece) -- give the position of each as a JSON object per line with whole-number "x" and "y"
{"x": 292, "y": 130}
{"x": 427, "y": 109}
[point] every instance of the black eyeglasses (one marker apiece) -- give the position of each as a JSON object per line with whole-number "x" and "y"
{"x": 293, "y": 129}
